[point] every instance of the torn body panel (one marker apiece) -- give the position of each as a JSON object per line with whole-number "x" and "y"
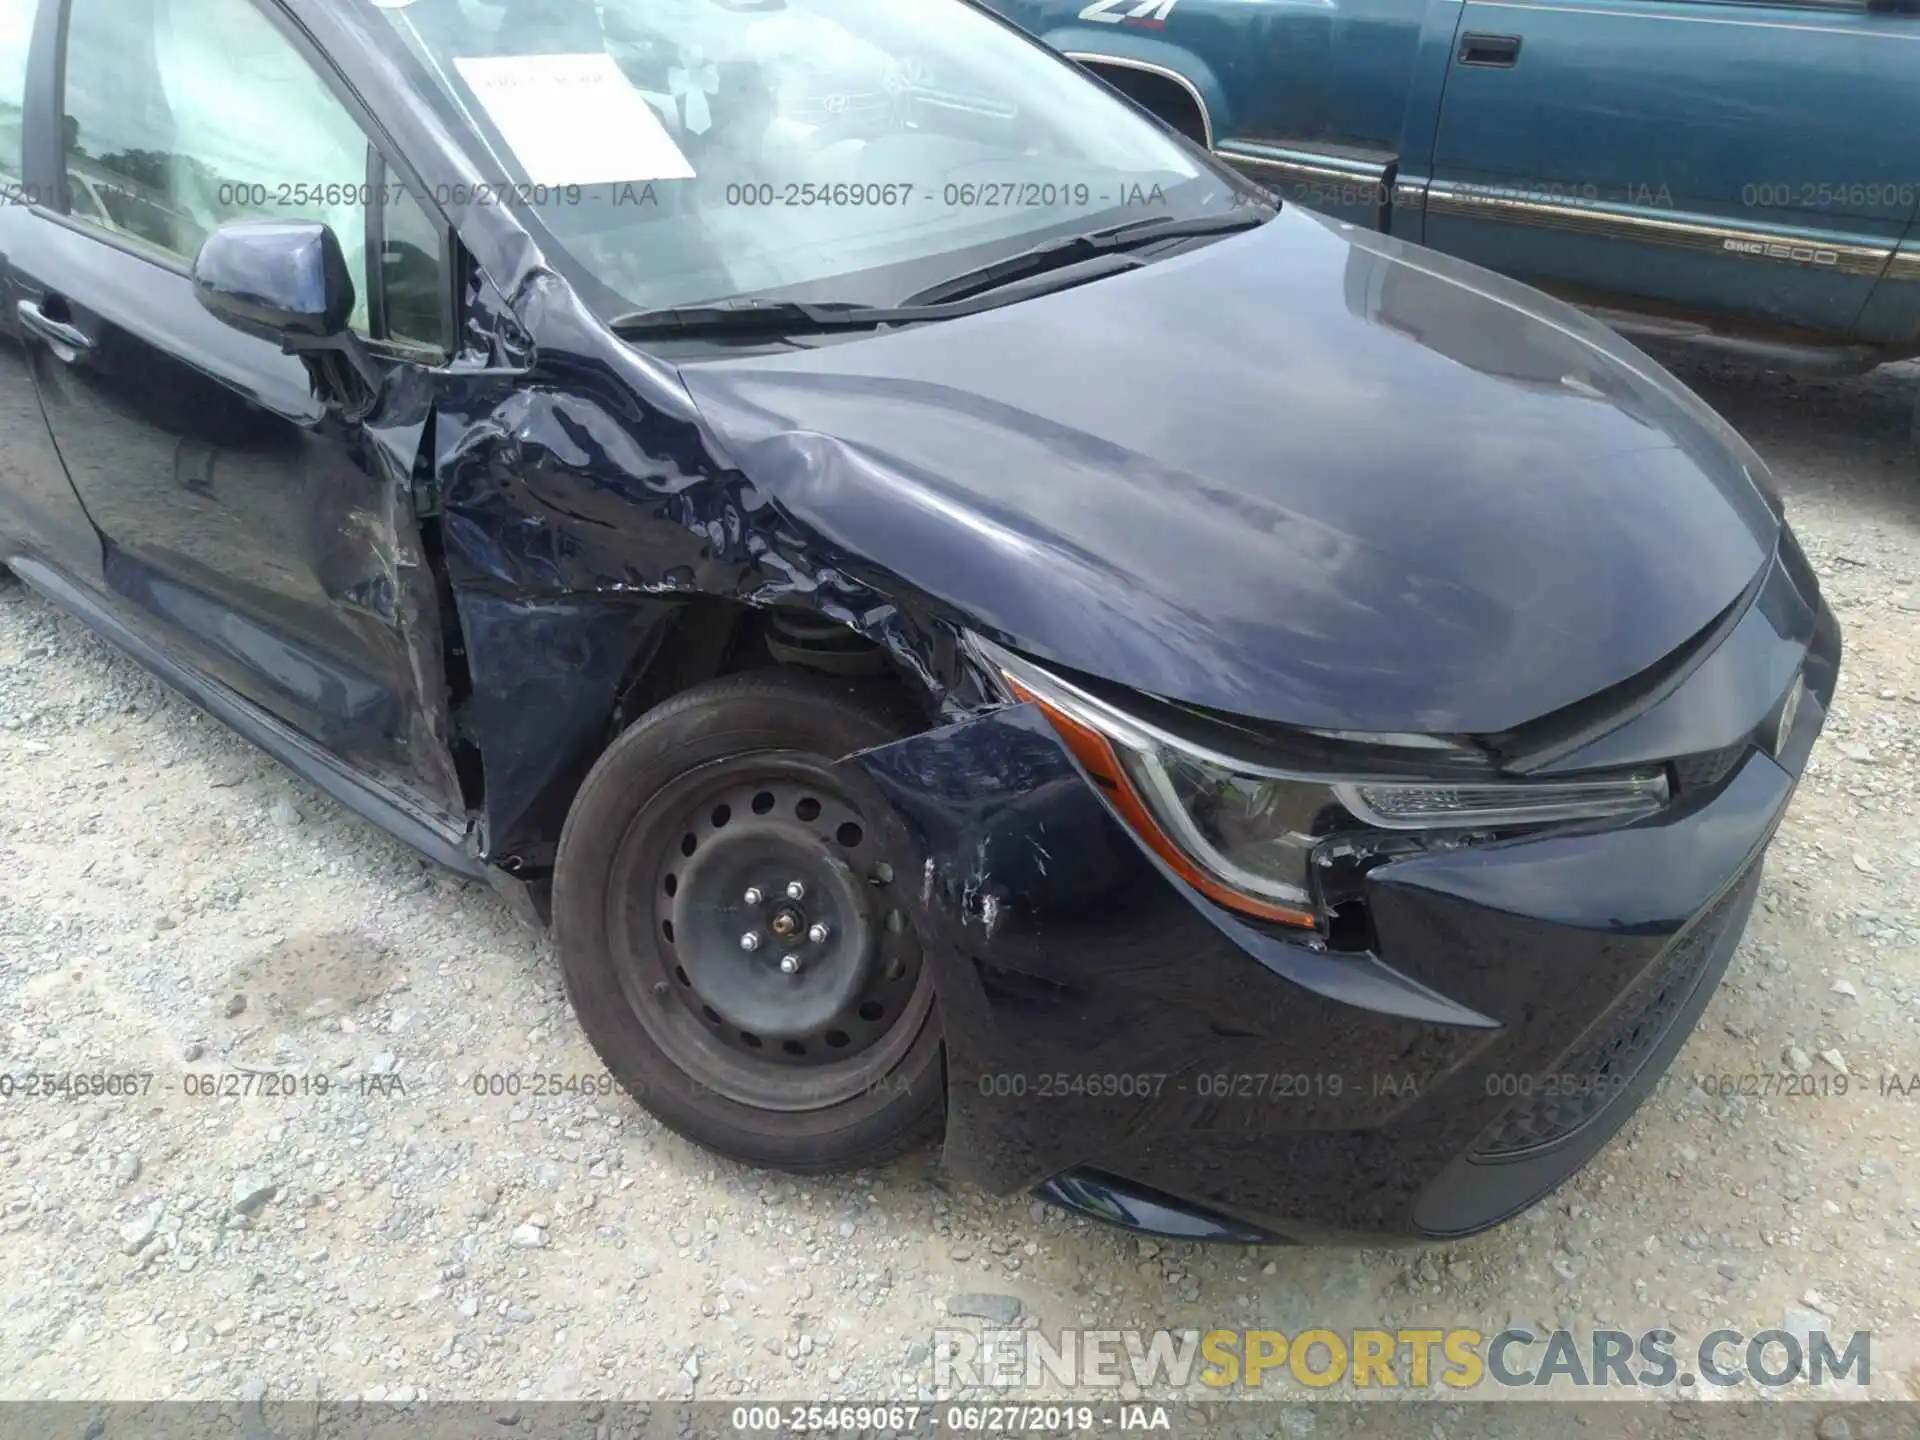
{"x": 396, "y": 435}
{"x": 552, "y": 488}
{"x": 546, "y": 674}
{"x": 581, "y": 504}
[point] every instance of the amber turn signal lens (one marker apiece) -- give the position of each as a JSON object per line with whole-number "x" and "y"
{"x": 1096, "y": 756}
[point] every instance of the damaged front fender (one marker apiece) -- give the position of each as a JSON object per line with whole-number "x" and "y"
{"x": 582, "y": 505}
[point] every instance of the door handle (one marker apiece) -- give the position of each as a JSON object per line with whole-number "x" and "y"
{"x": 68, "y": 343}
{"x": 1493, "y": 50}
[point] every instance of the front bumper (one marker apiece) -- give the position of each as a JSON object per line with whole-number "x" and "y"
{"x": 1141, "y": 1055}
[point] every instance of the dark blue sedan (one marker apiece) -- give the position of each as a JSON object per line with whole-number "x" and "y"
{"x": 966, "y": 618}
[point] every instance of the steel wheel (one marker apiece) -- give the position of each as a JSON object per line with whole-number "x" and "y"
{"x": 783, "y": 975}
{"x": 733, "y": 930}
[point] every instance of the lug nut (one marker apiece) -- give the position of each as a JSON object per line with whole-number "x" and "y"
{"x": 753, "y": 895}
{"x": 796, "y": 891}
{"x": 750, "y": 940}
{"x": 789, "y": 964}
{"x": 817, "y": 933}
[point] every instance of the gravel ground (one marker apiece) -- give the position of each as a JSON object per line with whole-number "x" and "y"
{"x": 175, "y": 903}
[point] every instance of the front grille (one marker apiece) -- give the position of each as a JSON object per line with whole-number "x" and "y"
{"x": 1709, "y": 768}
{"x": 1603, "y": 1065}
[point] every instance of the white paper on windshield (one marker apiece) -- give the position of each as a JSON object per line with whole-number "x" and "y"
{"x": 574, "y": 119}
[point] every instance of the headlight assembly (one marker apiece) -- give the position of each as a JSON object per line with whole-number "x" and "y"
{"x": 1244, "y": 834}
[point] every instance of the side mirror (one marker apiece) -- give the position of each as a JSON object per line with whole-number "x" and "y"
{"x": 283, "y": 280}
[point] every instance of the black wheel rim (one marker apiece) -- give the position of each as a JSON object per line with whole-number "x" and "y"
{"x": 773, "y": 846}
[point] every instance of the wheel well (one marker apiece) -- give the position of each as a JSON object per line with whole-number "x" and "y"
{"x": 703, "y": 638}
{"x": 711, "y": 637}
{"x": 1164, "y": 96}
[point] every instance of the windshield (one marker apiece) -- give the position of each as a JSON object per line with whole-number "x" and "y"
{"x": 689, "y": 151}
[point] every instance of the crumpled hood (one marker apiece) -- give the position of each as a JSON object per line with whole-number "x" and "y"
{"x": 1305, "y": 473}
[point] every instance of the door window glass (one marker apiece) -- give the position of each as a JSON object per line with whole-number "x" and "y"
{"x": 184, "y": 114}
{"x": 411, "y": 280}
{"x": 16, "y": 33}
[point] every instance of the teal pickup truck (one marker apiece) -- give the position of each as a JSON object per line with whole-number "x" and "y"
{"x": 1736, "y": 175}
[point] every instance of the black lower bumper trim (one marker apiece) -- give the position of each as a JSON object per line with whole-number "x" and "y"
{"x": 1591, "y": 1076}
{"x": 1134, "y": 1207}
{"x": 1475, "y": 1193}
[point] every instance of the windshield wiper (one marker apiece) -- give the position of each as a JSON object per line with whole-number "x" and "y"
{"x": 951, "y": 298}
{"x": 727, "y": 317}
{"x": 1072, "y": 249}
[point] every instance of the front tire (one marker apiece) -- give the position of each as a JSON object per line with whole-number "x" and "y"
{"x": 720, "y": 815}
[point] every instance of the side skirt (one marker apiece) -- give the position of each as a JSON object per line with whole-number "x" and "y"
{"x": 434, "y": 838}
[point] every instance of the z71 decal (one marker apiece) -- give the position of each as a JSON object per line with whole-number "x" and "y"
{"x": 1152, "y": 14}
